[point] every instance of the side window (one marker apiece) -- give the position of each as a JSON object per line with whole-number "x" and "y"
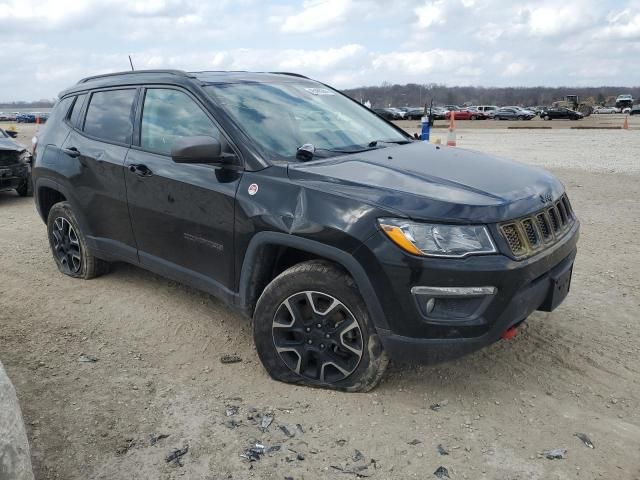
{"x": 76, "y": 109}
{"x": 60, "y": 110}
{"x": 109, "y": 115}
{"x": 171, "y": 114}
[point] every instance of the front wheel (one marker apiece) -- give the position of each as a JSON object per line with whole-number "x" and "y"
{"x": 311, "y": 327}
{"x": 547, "y": 117}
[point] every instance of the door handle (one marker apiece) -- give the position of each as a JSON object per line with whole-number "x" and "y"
{"x": 72, "y": 152}
{"x": 140, "y": 170}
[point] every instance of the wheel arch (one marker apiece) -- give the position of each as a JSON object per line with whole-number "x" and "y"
{"x": 263, "y": 259}
{"x": 47, "y": 193}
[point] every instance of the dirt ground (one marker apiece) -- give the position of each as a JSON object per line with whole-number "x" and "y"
{"x": 158, "y": 347}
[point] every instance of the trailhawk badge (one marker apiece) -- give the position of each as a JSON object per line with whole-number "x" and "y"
{"x": 253, "y": 189}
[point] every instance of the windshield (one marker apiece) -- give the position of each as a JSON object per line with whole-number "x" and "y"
{"x": 281, "y": 117}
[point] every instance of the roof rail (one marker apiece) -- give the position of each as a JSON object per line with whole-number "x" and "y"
{"x": 134, "y": 72}
{"x": 290, "y": 74}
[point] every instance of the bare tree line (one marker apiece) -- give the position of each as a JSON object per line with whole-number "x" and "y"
{"x": 415, "y": 95}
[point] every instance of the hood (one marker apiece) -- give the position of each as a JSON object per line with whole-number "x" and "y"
{"x": 430, "y": 182}
{"x": 10, "y": 144}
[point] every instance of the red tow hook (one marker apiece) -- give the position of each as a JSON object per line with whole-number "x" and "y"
{"x": 510, "y": 333}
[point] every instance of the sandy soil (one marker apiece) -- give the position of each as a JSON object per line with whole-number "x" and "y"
{"x": 158, "y": 371}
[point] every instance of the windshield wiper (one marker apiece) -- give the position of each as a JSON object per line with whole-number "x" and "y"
{"x": 307, "y": 151}
{"x": 374, "y": 143}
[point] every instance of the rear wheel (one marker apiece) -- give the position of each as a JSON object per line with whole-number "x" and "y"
{"x": 311, "y": 327}
{"x": 547, "y": 117}
{"x": 473, "y": 117}
{"x": 69, "y": 246}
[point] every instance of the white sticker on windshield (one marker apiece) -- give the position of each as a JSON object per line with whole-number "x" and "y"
{"x": 319, "y": 91}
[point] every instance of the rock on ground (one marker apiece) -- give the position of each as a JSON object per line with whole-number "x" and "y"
{"x": 15, "y": 456}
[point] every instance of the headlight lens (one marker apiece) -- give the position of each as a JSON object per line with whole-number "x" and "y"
{"x": 436, "y": 240}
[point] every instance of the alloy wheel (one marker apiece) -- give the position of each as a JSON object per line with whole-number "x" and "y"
{"x": 317, "y": 336}
{"x": 66, "y": 246}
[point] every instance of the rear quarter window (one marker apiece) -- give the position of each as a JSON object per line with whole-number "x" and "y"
{"x": 109, "y": 115}
{"x": 77, "y": 109}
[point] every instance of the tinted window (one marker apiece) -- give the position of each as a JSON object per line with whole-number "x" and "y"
{"x": 76, "y": 109}
{"x": 60, "y": 110}
{"x": 109, "y": 115}
{"x": 168, "y": 115}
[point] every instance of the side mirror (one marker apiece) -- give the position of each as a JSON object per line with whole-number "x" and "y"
{"x": 200, "y": 149}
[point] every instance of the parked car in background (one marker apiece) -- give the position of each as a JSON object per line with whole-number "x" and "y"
{"x": 476, "y": 114}
{"x": 488, "y": 110}
{"x": 414, "y": 113}
{"x": 438, "y": 113}
{"x": 603, "y": 110}
{"x": 388, "y": 113}
{"x": 525, "y": 111}
{"x": 626, "y": 110}
{"x": 560, "y": 113}
{"x": 31, "y": 117}
{"x": 635, "y": 110}
{"x": 15, "y": 166}
{"x": 512, "y": 113}
{"x": 462, "y": 114}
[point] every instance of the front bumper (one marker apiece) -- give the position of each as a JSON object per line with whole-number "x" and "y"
{"x": 412, "y": 334}
{"x": 13, "y": 176}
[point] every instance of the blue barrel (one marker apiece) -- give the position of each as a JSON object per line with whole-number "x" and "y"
{"x": 425, "y": 128}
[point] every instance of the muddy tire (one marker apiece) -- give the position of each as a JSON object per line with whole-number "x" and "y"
{"x": 311, "y": 327}
{"x": 69, "y": 246}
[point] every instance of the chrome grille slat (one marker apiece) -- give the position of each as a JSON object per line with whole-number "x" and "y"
{"x": 528, "y": 235}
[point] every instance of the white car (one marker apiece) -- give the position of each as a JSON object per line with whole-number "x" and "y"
{"x": 488, "y": 110}
{"x": 600, "y": 110}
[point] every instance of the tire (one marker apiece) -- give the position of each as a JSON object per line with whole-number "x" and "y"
{"x": 69, "y": 246}
{"x": 26, "y": 189}
{"x": 473, "y": 117}
{"x": 547, "y": 117}
{"x": 520, "y": 117}
{"x": 311, "y": 290}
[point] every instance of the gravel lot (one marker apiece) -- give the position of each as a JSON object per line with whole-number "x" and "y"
{"x": 158, "y": 346}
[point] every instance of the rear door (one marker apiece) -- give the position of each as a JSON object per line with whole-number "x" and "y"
{"x": 95, "y": 153}
{"x": 182, "y": 214}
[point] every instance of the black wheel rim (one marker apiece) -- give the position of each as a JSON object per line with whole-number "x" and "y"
{"x": 66, "y": 246}
{"x": 317, "y": 337}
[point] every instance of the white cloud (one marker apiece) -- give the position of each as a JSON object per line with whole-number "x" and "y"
{"x": 317, "y": 15}
{"x": 516, "y": 68}
{"x": 623, "y": 25}
{"x": 559, "y": 19}
{"x": 437, "y": 60}
{"x": 430, "y": 14}
{"x": 347, "y": 43}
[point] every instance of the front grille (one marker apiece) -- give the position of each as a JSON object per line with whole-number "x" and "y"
{"x": 528, "y": 235}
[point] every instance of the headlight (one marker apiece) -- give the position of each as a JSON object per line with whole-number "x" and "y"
{"x": 454, "y": 241}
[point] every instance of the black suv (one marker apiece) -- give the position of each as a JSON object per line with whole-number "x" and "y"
{"x": 345, "y": 240}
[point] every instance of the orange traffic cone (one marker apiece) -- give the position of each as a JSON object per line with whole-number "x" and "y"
{"x": 451, "y": 136}
{"x": 625, "y": 125}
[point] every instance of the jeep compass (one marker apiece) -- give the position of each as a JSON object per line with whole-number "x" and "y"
{"x": 347, "y": 242}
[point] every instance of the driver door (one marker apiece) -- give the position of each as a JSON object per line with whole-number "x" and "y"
{"x": 182, "y": 214}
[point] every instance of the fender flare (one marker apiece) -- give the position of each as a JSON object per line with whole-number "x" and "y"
{"x": 344, "y": 259}
{"x": 51, "y": 183}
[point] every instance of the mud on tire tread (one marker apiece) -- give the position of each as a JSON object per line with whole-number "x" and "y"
{"x": 91, "y": 266}
{"x": 324, "y": 277}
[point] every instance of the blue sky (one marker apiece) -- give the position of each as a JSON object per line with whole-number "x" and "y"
{"x": 348, "y": 43}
